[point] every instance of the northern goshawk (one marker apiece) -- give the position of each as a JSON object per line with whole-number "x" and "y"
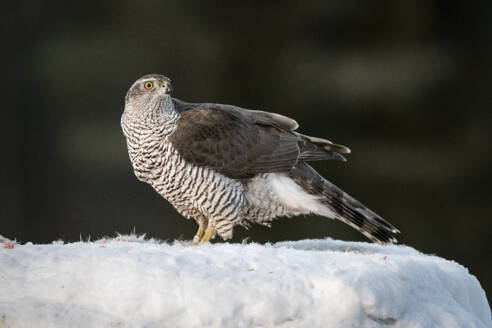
{"x": 223, "y": 165}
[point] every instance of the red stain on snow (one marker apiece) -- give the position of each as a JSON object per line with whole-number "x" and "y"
{"x": 8, "y": 244}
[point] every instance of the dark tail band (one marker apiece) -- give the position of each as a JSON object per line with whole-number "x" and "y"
{"x": 345, "y": 208}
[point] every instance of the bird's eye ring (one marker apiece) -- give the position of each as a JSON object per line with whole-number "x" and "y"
{"x": 148, "y": 85}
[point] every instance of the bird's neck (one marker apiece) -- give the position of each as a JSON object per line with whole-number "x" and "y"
{"x": 156, "y": 113}
{"x": 157, "y": 119}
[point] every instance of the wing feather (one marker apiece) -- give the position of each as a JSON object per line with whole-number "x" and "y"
{"x": 241, "y": 143}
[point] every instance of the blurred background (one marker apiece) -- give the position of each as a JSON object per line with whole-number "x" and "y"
{"x": 405, "y": 84}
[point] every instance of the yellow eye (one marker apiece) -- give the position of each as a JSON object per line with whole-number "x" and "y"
{"x": 148, "y": 85}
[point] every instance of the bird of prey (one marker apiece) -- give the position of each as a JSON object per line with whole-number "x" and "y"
{"x": 223, "y": 165}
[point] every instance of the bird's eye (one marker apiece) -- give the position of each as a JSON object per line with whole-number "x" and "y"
{"x": 148, "y": 85}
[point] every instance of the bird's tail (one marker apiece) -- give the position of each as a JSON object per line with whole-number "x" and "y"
{"x": 343, "y": 206}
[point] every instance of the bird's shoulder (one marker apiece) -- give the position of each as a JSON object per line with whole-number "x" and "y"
{"x": 213, "y": 113}
{"x": 235, "y": 141}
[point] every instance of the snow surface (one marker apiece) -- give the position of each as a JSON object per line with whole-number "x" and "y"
{"x": 132, "y": 282}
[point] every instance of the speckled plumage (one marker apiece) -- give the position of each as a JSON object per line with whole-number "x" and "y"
{"x": 224, "y": 166}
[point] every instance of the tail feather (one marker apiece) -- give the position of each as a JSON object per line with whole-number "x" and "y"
{"x": 328, "y": 145}
{"x": 344, "y": 207}
{"x": 317, "y": 149}
{"x": 355, "y": 214}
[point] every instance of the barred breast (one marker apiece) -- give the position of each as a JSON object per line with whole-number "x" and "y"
{"x": 197, "y": 192}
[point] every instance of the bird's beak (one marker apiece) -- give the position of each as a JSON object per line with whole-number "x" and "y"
{"x": 167, "y": 87}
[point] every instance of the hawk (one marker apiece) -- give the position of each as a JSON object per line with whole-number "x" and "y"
{"x": 223, "y": 165}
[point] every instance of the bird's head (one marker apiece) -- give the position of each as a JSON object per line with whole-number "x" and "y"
{"x": 150, "y": 95}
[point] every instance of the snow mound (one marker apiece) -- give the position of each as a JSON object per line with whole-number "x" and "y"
{"x": 132, "y": 282}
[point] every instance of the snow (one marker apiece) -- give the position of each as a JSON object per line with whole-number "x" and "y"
{"x": 130, "y": 281}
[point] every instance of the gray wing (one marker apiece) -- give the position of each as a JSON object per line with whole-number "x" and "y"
{"x": 241, "y": 143}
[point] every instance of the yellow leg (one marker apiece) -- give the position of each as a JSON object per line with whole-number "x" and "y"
{"x": 198, "y": 235}
{"x": 208, "y": 234}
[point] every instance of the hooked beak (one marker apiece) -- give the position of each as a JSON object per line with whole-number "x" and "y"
{"x": 167, "y": 87}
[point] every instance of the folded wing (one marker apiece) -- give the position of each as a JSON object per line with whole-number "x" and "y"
{"x": 241, "y": 143}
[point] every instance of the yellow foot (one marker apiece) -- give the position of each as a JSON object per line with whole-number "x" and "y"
{"x": 198, "y": 235}
{"x": 208, "y": 234}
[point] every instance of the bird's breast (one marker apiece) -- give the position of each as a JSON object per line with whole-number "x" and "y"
{"x": 147, "y": 148}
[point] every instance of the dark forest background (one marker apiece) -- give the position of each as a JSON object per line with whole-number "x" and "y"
{"x": 405, "y": 84}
